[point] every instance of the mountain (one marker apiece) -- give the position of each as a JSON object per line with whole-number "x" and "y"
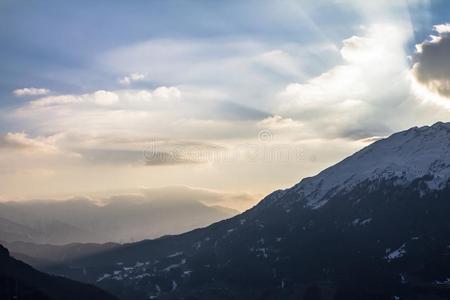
{"x": 39, "y": 222}
{"x": 39, "y": 255}
{"x": 121, "y": 219}
{"x": 21, "y": 282}
{"x": 11, "y": 231}
{"x": 374, "y": 226}
{"x": 18, "y": 230}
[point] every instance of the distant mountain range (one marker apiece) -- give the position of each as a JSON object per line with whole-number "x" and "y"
{"x": 19, "y": 281}
{"x": 122, "y": 219}
{"x": 374, "y": 226}
{"x": 42, "y": 255}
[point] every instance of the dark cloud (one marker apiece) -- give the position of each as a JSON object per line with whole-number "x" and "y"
{"x": 432, "y": 66}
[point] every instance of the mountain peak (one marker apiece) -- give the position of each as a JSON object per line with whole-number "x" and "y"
{"x": 436, "y": 127}
{"x": 441, "y": 125}
{"x": 401, "y": 158}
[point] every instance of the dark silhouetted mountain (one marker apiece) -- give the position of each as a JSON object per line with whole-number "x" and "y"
{"x": 121, "y": 219}
{"x": 19, "y": 281}
{"x": 374, "y": 226}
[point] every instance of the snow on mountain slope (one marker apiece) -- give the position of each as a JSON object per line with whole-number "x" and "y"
{"x": 402, "y": 157}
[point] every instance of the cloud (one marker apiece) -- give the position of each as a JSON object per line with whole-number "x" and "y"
{"x": 132, "y": 77}
{"x": 143, "y": 151}
{"x": 229, "y": 110}
{"x": 442, "y": 28}
{"x": 167, "y": 93}
{"x": 239, "y": 201}
{"x": 206, "y": 63}
{"x": 165, "y": 153}
{"x": 279, "y": 62}
{"x": 20, "y": 141}
{"x": 354, "y": 99}
{"x": 432, "y": 61}
{"x": 181, "y": 113}
{"x": 373, "y": 139}
{"x": 105, "y": 98}
{"x": 167, "y": 159}
{"x": 32, "y": 91}
{"x": 281, "y": 128}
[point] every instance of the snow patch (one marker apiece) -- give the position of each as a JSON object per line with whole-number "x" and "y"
{"x": 365, "y": 222}
{"x": 445, "y": 282}
{"x": 400, "y": 252}
{"x": 175, "y": 254}
{"x": 103, "y": 277}
{"x": 174, "y": 285}
{"x": 173, "y": 266}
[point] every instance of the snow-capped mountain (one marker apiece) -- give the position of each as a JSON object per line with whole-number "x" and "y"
{"x": 403, "y": 157}
{"x": 374, "y": 226}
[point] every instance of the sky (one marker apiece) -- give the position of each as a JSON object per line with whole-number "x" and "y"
{"x": 237, "y": 98}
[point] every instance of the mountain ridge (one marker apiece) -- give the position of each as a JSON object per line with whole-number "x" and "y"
{"x": 125, "y": 218}
{"x": 384, "y": 237}
{"x": 392, "y": 166}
